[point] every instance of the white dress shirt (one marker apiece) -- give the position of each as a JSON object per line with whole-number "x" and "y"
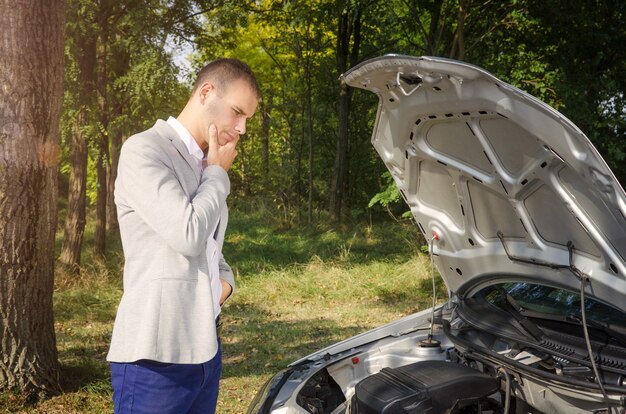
{"x": 212, "y": 251}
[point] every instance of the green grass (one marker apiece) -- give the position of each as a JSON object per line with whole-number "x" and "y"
{"x": 299, "y": 289}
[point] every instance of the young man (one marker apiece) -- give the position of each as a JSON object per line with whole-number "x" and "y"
{"x": 171, "y": 202}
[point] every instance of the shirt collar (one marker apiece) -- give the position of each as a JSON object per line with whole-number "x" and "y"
{"x": 184, "y": 134}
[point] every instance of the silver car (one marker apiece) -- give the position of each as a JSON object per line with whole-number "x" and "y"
{"x": 526, "y": 225}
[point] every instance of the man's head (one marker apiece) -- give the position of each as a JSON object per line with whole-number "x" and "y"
{"x": 222, "y": 72}
{"x": 226, "y": 94}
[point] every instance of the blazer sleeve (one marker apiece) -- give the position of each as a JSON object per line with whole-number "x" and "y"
{"x": 150, "y": 186}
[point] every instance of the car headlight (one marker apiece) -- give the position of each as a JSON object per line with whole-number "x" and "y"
{"x": 262, "y": 403}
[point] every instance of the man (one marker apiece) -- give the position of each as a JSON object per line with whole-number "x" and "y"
{"x": 165, "y": 354}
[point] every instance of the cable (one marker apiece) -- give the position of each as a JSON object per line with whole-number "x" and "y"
{"x": 588, "y": 342}
{"x": 432, "y": 275}
{"x": 507, "y": 396}
{"x": 585, "y": 279}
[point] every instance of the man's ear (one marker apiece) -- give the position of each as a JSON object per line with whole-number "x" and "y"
{"x": 205, "y": 90}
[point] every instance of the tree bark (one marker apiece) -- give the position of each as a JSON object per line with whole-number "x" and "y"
{"x": 84, "y": 50}
{"x": 343, "y": 45}
{"x": 102, "y": 162}
{"x": 31, "y": 70}
{"x": 349, "y": 28}
{"x": 309, "y": 127}
{"x": 434, "y": 29}
{"x": 102, "y": 155}
{"x": 243, "y": 162}
{"x": 266, "y": 107}
{"x": 458, "y": 44}
{"x": 75, "y": 219}
{"x": 116, "y": 146}
{"x": 120, "y": 65}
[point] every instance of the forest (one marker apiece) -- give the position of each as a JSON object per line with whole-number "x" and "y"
{"x": 81, "y": 76}
{"x": 308, "y": 151}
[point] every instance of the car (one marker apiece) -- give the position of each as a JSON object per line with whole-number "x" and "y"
{"x": 526, "y": 224}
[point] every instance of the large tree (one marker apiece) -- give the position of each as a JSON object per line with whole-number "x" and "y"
{"x": 81, "y": 91}
{"x": 347, "y": 54}
{"x": 118, "y": 80}
{"x": 31, "y": 69}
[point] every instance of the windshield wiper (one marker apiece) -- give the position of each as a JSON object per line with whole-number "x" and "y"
{"x": 611, "y": 332}
{"x": 575, "y": 320}
{"x": 521, "y": 322}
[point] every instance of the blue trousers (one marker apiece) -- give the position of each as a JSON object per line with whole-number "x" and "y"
{"x": 150, "y": 387}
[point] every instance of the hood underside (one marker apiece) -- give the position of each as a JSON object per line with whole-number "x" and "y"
{"x": 506, "y": 182}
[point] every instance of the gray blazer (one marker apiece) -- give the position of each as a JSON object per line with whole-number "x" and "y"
{"x": 166, "y": 211}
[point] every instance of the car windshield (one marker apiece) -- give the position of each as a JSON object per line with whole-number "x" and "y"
{"x": 553, "y": 301}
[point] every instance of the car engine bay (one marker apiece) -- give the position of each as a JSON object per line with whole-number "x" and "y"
{"x": 460, "y": 368}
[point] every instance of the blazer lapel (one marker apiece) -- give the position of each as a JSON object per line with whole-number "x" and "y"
{"x": 167, "y": 132}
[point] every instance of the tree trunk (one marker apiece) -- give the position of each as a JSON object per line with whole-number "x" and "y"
{"x": 265, "y": 136}
{"x": 243, "y": 162}
{"x": 299, "y": 182}
{"x": 75, "y": 219}
{"x": 341, "y": 154}
{"x": 31, "y": 70}
{"x": 343, "y": 44}
{"x": 309, "y": 133}
{"x": 116, "y": 147}
{"x": 458, "y": 44}
{"x": 120, "y": 65}
{"x": 434, "y": 29}
{"x": 102, "y": 157}
{"x": 289, "y": 188}
{"x": 102, "y": 162}
{"x": 349, "y": 27}
{"x": 85, "y": 52}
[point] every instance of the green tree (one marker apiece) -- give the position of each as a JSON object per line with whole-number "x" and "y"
{"x": 349, "y": 22}
{"x": 80, "y": 101}
{"x": 588, "y": 49}
{"x": 120, "y": 79}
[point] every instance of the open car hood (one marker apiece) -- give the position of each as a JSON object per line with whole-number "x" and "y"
{"x": 505, "y": 182}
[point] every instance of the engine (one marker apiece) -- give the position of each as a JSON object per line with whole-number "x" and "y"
{"x": 425, "y": 387}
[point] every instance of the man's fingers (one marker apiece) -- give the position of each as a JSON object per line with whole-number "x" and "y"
{"x": 212, "y": 138}
{"x": 229, "y": 146}
{"x": 222, "y": 155}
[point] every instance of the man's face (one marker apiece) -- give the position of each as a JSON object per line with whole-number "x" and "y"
{"x": 230, "y": 110}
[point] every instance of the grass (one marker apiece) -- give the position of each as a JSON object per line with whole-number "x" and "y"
{"x": 298, "y": 291}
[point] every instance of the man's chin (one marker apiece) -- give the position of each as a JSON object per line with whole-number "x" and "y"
{"x": 225, "y": 138}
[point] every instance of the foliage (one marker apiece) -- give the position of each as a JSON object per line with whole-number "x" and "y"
{"x": 136, "y": 80}
{"x": 589, "y": 49}
{"x": 390, "y": 193}
{"x": 572, "y": 58}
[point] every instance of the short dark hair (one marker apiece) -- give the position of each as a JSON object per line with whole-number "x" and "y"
{"x": 221, "y": 72}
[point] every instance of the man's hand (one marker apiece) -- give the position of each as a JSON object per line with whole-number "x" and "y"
{"x": 222, "y": 155}
{"x": 227, "y": 289}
